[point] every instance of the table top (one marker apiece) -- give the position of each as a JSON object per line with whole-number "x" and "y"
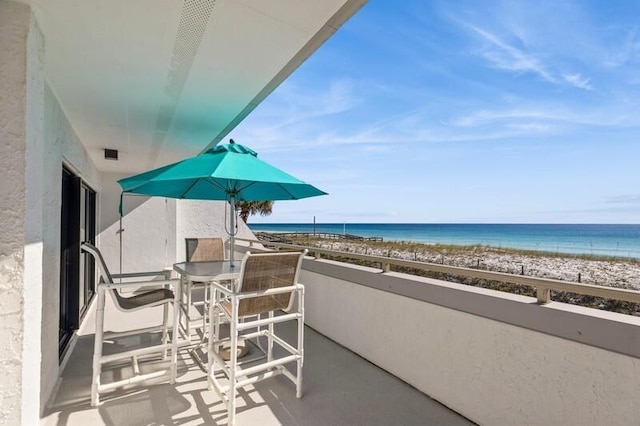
{"x": 219, "y": 270}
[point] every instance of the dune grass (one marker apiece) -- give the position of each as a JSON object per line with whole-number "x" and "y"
{"x": 475, "y": 252}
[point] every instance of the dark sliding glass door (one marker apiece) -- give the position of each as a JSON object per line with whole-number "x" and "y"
{"x": 77, "y": 271}
{"x": 87, "y": 233}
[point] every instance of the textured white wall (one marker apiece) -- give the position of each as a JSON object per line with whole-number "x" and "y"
{"x": 199, "y": 219}
{"x": 36, "y": 189}
{"x": 60, "y": 144}
{"x": 155, "y": 227}
{"x": 14, "y": 28}
{"x": 148, "y": 239}
{"x": 35, "y": 138}
{"x": 491, "y": 372}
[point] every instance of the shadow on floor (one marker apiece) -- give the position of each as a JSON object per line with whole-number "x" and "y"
{"x": 340, "y": 388}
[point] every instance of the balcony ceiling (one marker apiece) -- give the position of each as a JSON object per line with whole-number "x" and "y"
{"x": 160, "y": 80}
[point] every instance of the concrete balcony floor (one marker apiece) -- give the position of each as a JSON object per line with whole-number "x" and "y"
{"x": 340, "y": 388}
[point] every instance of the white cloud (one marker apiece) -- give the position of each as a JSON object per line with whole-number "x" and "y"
{"x": 625, "y": 50}
{"x": 532, "y": 127}
{"x": 578, "y": 81}
{"x": 293, "y": 112}
{"x": 624, "y": 199}
{"x": 511, "y": 58}
{"x": 513, "y": 116}
{"x": 301, "y": 103}
{"x": 538, "y": 84}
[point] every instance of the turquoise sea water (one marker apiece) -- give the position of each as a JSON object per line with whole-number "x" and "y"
{"x": 607, "y": 240}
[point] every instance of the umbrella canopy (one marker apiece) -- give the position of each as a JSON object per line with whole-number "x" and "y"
{"x": 230, "y": 172}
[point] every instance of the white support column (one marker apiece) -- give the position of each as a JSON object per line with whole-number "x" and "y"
{"x": 20, "y": 398}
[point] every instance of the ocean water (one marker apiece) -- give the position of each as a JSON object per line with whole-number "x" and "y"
{"x": 607, "y": 240}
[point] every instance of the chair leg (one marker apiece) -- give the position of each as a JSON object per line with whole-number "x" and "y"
{"x": 188, "y": 311}
{"x": 183, "y": 317}
{"x": 165, "y": 321}
{"x": 300, "y": 361}
{"x": 234, "y": 361}
{"x": 270, "y": 339}
{"x": 205, "y": 311}
{"x": 216, "y": 329}
{"x": 213, "y": 335}
{"x": 175, "y": 327}
{"x": 97, "y": 348}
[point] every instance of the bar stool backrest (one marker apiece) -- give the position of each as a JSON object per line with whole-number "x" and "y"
{"x": 265, "y": 271}
{"x": 204, "y": 249}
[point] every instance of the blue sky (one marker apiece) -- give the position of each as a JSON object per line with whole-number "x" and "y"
{"x": 465, "y": 111}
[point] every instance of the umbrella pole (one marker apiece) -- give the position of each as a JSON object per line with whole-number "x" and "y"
{"x": 232, "y": 232}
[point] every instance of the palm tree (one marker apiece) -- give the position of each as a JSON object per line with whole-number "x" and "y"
{"x": 249, "y": 208}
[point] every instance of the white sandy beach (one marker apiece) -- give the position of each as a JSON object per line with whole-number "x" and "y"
{"x": 614, "y": 273}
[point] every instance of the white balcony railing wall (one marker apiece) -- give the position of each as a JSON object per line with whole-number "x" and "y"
{"x": 496, "y": 358}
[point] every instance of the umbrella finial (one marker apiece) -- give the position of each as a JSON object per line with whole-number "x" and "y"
{"x": 232, "y": 141}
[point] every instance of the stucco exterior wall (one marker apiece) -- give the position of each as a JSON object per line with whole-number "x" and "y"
{"x": 154, "y": 227}
{"x": 201, "y": 219}
{"x": 14, "y": 28}
{"x": 492, "y": 372}
{"x": 35, "y": 225}
{"x": 148, "y": 239}
{"x": 36, "y": 139}
{"x": 60, "y": 145}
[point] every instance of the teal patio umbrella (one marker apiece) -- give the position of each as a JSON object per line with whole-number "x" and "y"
{"x": 230, "y": 172}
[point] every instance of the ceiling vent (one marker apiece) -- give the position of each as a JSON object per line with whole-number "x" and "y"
{"x": 111, "y": 154}
{"x": 194, "y": 18}
{"x": 193, "y": 23}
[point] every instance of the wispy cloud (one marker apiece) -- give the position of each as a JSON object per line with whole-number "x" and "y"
{"x": 441, "y": 95}
{"x": 511, "y": 58}
{"x": 305, "y": 129}
{"x": 578, "y": 81}
{"x": 302, "y": 103}
{"x": 484, "y": 117}
{"x": 507, "y": 49}
{"x": 624, "y": 51}
{"x": 549, "y": 116}
{"x": 624, "y": 199}
{"x": 532, "y": 128}
{"x": 294, "y": 112}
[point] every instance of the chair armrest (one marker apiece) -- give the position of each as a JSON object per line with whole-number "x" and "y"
{"x": 138, "y": 284}
{"x": 278, "y": 290}
{"x": 141, "y": 274}
{"x": 223, "y": 289}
